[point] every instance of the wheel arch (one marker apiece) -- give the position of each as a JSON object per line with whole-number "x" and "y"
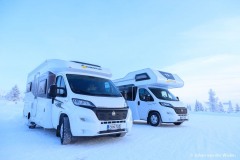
{"x": 61, "y": 117}
{"x": 151, "y": 111}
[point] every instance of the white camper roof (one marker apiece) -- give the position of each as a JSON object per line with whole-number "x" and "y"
{"x": 57, "y": 65}
{"x": 150, "y": 77}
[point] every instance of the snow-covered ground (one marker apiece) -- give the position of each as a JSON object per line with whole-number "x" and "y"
{"x": 205, "y": 136}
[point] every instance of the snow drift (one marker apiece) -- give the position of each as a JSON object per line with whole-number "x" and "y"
{"x": 205, "y": 136}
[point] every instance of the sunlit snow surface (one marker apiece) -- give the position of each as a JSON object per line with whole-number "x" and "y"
{"x": 204, "y": 136}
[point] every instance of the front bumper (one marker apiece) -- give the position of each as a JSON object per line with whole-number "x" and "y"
{"x": 99, "y": 122}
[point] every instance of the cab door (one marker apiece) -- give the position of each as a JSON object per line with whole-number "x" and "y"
{"x": 58, "y": 105}
{"x": 145, "y": 102}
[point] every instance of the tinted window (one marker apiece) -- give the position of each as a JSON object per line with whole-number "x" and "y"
{"x": 128, "y": 92}
{"x": 62, "y": 87}
{"x": 167, "y": 75}
{"x": 95, "y": 86}
{"x": 144, "y": 95}
{"x": 29, "y": 87}
{"x": 42, "y": 87}
{"x": 163, "y": 94}
{"x": 141, "y": 77}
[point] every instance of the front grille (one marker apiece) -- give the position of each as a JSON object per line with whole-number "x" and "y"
{"x": 112, "y": 122}
{"x": 106, "y": 114}
{"x": 180, "y": 110}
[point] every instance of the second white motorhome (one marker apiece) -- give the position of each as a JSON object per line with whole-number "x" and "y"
{"x": 147, "y": 95}
{"x": 76, "y": 99}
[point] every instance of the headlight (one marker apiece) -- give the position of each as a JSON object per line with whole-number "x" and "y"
{"x": 82, "y": 103}
{"x": 166, "y": 104}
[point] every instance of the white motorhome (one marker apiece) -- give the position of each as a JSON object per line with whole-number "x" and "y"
{"x": 77, "y": 99}
{"x": 147, "y": 95}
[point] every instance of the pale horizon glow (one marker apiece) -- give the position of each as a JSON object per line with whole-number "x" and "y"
{"x": 220, "y": 73}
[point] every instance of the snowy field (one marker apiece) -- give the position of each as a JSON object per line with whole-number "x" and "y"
{"x": 205, "y": 136}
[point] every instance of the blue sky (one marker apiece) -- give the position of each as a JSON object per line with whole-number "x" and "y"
{"x": 176, "y": 36}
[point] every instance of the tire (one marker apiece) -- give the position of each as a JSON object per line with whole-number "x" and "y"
{"x": 120, "y": 135}
{"x": 31, "y": 125}
{"x": 65, "y": 131}
{"x": 58, "y": 131}
{"x": 154, "y": 119}
{"x": 177, "y": 123}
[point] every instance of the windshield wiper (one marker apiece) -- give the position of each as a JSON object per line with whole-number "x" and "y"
{"x": 109, "y": 95}
{"x": 82, "y": 92}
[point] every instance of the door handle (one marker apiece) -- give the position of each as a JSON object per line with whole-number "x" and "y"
{"x": 138, "y": 102}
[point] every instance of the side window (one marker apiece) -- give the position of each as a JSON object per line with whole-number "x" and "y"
{"x": 164, "y": 94}
{"x": 62, "y": 92}
{"x": 107, "y": 87}
{"x": 29, "y": 87}
{"x": 144, "y": 95}
{"x": 42, "y": 87}
{"x": 134, "y": 93}
{"x": 129, "y": 93}
{"x": 141, "y": 77}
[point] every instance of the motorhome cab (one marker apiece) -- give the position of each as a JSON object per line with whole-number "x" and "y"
{"x": 147, "y": 95}
{"x": 77, "y": 99}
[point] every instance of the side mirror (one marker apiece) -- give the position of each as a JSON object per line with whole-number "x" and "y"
{"x": 52, "y": 91}
{"x": 125, "y": 95}
{"x": 177, "y": 98}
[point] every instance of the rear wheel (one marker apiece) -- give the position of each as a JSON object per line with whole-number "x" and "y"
{"x": 154, "y": 119}
{"x": 30, "y": 124}
{"x": 65, "y": 131}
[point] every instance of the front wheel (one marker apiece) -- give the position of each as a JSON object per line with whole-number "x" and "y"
{"x": 177, "y": 123}
{"x": 65, "y": 131}
{"x": 154, "y": 119}
{"x": 120, "y": 134}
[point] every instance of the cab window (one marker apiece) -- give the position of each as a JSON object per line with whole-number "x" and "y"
{"x": 61, "y": 91}
{"x": 144, "y": 95}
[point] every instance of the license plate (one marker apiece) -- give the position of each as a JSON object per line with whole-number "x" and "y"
{"x": 183, "y": 117}
{"x": 113, "y": 126}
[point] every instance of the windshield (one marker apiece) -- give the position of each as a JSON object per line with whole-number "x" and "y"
{"x": 163, "y": 94}
{"x": 94, "y": 86}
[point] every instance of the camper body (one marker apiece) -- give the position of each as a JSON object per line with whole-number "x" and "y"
{"x": 76, "y": 99}
{"x": 147, "y": 95}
